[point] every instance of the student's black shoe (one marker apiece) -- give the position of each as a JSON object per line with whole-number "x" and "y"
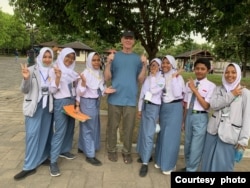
{"x": 24, "y": 173}
{"x": 94, "y": 161}
{"x": 143, "y": 170}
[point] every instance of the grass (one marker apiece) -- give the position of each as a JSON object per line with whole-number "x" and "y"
{"x": 215, "y": 78}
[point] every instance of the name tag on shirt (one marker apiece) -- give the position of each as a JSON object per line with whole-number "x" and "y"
{"x": 148, "y": 96}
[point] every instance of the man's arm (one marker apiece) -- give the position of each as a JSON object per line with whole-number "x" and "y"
{"x": 142, "y": 75}
{"x": 107, "y": 72}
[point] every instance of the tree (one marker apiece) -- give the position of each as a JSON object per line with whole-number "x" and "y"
{"x": 13, "y": 34}
{"x": 228, "y": 28}
{"x": 154, "y": 22}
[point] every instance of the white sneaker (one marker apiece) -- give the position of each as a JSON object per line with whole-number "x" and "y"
{"x": 156, "y": 166}
{"x": 168, "y": 172}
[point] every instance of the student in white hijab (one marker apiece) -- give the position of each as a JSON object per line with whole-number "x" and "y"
{"x": 89, "y": 90}
{"x": 63, "y": 85}
{"x": 148, "y": 110}
{"x": 37, "y": 109}
{"x": 228, "y": 129}
{"x": 170, "y": 117}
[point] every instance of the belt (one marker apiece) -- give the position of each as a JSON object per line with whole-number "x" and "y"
{"x": 64, "y": 98}
{"x": 198, "y": 112}
{"x": 174, "y": 101}
{"x": 90, "y": 98}
{"x": 148, "y": 102}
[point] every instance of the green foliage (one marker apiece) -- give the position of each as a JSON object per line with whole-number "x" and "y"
{"x": 12, "y": 33}
{"x": 152, "y": 21}
{"x": 157, "y": 24}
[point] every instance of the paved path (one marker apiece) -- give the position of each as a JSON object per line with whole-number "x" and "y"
{"x": 74, "y": 173}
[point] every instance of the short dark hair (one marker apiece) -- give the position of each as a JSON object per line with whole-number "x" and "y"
{"x": 204, "y": 61}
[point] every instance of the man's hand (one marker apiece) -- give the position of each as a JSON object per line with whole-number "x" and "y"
{"x": 144, "y": 59}
{"x": 110, "y": 58}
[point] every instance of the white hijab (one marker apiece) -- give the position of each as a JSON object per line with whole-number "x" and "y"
{"x": 230, "y": 86}
{"x": 94, "y": 76}
{"x": 158, "y": 61}
{"x": 68, "y": 73}
{"x": 43, "y": 68}
{"x": 171, "y": 60}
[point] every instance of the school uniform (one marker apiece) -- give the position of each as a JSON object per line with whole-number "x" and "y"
{"x": 89, "y": 98}
{"x": 170, "y": 119}
{"x": 149, "y": 107}
{"x": 196, "y": 124}
{"x": 228, "y": 126}
{"x": 38, "y": 120}
{"x": 64, "y": 94}
{"x": 37, "y": 109}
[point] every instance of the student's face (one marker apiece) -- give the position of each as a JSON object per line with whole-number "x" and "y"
{"x": 154, "y": 67}
{"x": 47, "y": 58}
{"x": 200, "y": 71}
{"x": 96, "y": 61}
{"x": 230, "y": 74}
{"x": 166, "y": 65}
{"x": 69, "y": 59}
{"x": 128, "y": 42}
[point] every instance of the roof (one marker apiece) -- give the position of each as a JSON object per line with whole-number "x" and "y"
{"x": 49, "y": 44}
{"x": 198, "y": 53}
{"x": 77, "y": 45}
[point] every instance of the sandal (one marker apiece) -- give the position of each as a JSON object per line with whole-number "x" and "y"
{"x": 112, "y": 156}
{"x": 127, "y": 158}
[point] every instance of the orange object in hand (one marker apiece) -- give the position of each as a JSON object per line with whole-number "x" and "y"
{"x": 70, "y": 111}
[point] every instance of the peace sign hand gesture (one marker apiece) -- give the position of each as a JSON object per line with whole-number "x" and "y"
{"x": 83, "y": 78}
{"x": 57, "y": 71}
{"x": 177, "y": 73}
{"x": 25, "y": 71}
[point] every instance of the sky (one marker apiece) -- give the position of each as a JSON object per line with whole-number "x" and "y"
{"x": 5, "y": 7}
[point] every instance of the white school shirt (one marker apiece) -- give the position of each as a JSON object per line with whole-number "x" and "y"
{"x": 154, "y": 85}
{"x": 174, "y": 88}
{"x": 62, "y": 91}
{"x": 205, "y": 89}
{"x": 88, "y": 92}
